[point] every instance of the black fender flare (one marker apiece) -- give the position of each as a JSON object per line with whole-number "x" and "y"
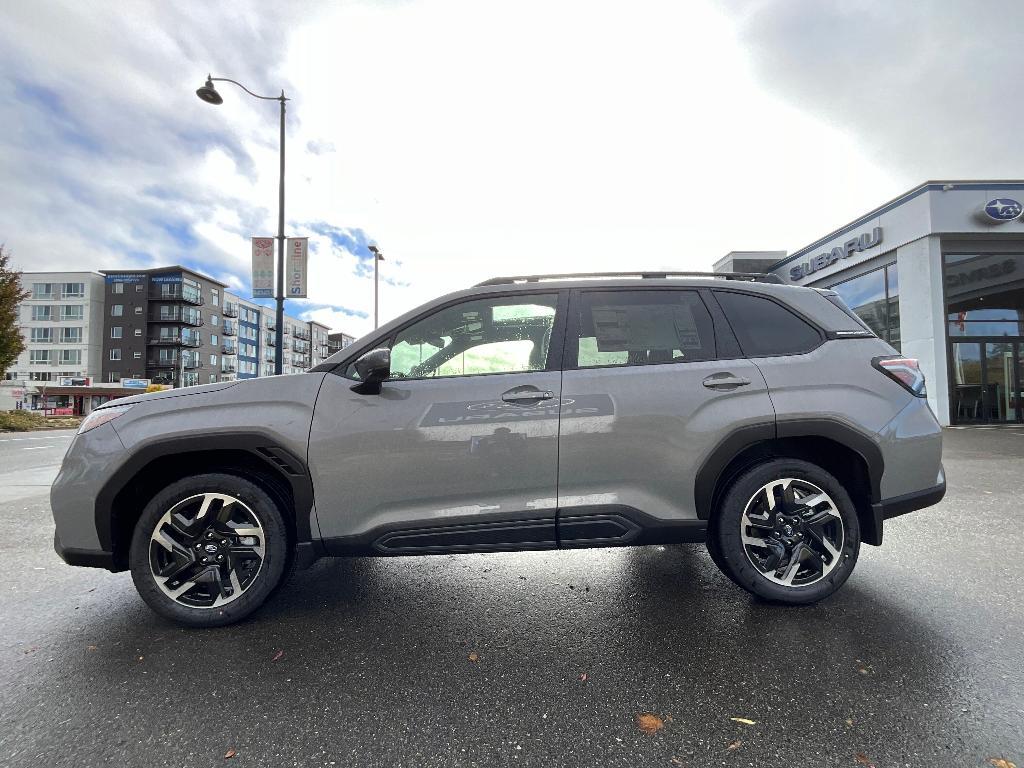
{"x": 261, "y": 445}
{"x": 742, "y": 438}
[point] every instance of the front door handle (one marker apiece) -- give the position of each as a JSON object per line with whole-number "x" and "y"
{"x": 724, "y": 381}
{"x": 526, "y": 395}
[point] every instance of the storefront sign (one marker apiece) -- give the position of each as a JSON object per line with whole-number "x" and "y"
{"x": 168, "y": 279}
{"x": 75, "y": 381}
{"x": 295, "y": 275}
{"x": 135, "y": 383}
{"x": 263, "y": 267}
{"x": 854, "y": 245}
{"x": 125, "y": 278}
{"x": 1003, "y": 209}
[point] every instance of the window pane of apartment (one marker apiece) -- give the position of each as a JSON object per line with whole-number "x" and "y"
{"x": 41, "y": 335}
{"x": 41, "y": 313}
{"x": 42, "y": 290}
{"x": 73, "y": 290}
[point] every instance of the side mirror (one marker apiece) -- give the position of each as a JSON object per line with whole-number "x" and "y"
{"x": 373, "y": 368}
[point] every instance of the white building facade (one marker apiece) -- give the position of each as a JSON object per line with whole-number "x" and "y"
{"x": 62, "y": 326}
{"x": 938, "y": 273}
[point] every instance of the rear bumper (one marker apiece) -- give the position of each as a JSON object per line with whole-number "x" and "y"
{"x": 901, "y": 505}
{"x": 89, "y": 558}
{"x": 910, "y": 502}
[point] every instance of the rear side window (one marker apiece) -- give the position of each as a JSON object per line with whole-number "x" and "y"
{"x": 643, "y": 328}
{"x": 765, "y": 328}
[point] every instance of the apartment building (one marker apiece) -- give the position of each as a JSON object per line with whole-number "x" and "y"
{"x": 163, "y": 325}
{"x": 338, "y": 341}
{"x": 170, "y": 326}
{"x": 62, "y": 324}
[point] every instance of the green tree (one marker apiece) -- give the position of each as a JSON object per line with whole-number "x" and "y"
{"x": 11, "y": 296}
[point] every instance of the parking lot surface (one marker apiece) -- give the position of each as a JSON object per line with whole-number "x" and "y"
{"x": 550, "y": 658}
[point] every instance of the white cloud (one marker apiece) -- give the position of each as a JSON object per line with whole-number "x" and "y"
{"x": 468, "y": 139}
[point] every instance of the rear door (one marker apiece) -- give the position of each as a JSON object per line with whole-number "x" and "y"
{"x": 653, "y": 383}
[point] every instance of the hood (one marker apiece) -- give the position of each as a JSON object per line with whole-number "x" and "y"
{"x": 148, "y": 397}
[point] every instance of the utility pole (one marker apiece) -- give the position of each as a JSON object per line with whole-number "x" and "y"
{"x": 377, "y": 258}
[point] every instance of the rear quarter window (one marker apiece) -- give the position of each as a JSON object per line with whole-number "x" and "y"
{"x": 765, "y": 328}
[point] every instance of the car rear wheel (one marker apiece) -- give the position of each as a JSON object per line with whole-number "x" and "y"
{"x": 208, "y": 550}
{"x": 786, "y": 531}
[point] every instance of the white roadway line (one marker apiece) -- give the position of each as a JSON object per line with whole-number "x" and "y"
{"x": 36, "y": 447}
{"x": 21, "y": 439}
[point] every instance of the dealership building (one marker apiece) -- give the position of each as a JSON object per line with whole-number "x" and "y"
{"x": 939, "y": 274}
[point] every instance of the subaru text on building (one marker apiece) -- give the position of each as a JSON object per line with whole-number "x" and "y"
{"x": 522, "y": 414}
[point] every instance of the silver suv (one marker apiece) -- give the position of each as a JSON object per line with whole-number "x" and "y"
{"x": 525, "y": 413}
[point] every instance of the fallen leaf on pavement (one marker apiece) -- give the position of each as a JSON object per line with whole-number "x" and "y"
{"x": 676, "y": 761}
{"x": 733, "y": 745}
{"x": 849, "y": 721}
{"x": 583, "y": 677}
{"x": 743, "y": 720}
{"x": 863, "y": 759}
{"x": 1000, "y": 762}
{"x": 278, "y": 655}
{"x": 90, "y": 648}
{"x": 474, "y": 657}
{"x": 649, "y": 723}
{"x": 229, "y": 754}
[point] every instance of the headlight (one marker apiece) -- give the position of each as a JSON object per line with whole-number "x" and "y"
{"x": 101, "y": 416}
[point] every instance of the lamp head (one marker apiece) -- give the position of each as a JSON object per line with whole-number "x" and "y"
{"x": 209, "y": 94}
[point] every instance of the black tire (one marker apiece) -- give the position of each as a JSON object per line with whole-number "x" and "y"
{"x": 268, "y": 575}
{"x": 730, "y": 554}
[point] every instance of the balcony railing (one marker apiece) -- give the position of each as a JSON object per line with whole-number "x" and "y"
{"x": 190, "y": 363}
{"x": 176, "y": 314}
{"x": 230, "y": 310}
{"x": 228, "y": 350}
{"x": 174, "y": 341}
{"x": 230, "y": 329}
{"x": 176, "y": 295}
{"x": 270, "y": 341}
{"x": 227, "y": 369}
{"x": 302, "y": 334}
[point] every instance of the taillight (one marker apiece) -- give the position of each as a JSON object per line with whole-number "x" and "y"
{"x": 904, "y": 371}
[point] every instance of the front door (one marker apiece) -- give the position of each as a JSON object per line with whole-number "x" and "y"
{"x": 459, "y": 451}
{"x": 987, "y": 381}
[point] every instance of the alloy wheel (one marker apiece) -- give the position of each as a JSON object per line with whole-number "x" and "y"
{"x": 792, "y": 532}
{"x": 207, "y": 550}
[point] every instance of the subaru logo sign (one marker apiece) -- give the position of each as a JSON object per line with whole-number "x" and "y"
{"x": 1003, "y": 209}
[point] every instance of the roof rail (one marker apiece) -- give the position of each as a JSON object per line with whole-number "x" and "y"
{"x": 753, "y": 277}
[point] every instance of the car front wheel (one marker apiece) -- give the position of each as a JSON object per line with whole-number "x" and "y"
{"x": 787, "y": 531}
{"x": 208, "y": 550}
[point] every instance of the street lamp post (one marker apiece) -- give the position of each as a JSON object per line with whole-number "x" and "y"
{"x": 210, "y": 95}
{"x": 377, "y": 257}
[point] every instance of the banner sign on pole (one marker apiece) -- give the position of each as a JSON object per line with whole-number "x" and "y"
{"x": 297, "y": 267}
{"x": 263, "y": 267}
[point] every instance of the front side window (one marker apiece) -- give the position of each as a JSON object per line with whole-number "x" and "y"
{"x": 500, "y": 335}
{"x": 765, "y": 328}
{"x": 643, "y": 328}
{"x": 116, "y": 310}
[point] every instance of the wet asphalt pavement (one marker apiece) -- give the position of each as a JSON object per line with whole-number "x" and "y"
{"x": 532, "y": 659}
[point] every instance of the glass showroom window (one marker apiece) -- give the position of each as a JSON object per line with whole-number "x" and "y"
{"x": 874, "y": 298}
{"x": 984, "y": 294}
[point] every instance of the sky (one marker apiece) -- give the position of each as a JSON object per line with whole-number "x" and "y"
{"x": 471, "y": 139}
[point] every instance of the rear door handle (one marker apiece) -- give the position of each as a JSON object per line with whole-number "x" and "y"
{"x": 526, "y": 395}
{"x": 724, "y": 381}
